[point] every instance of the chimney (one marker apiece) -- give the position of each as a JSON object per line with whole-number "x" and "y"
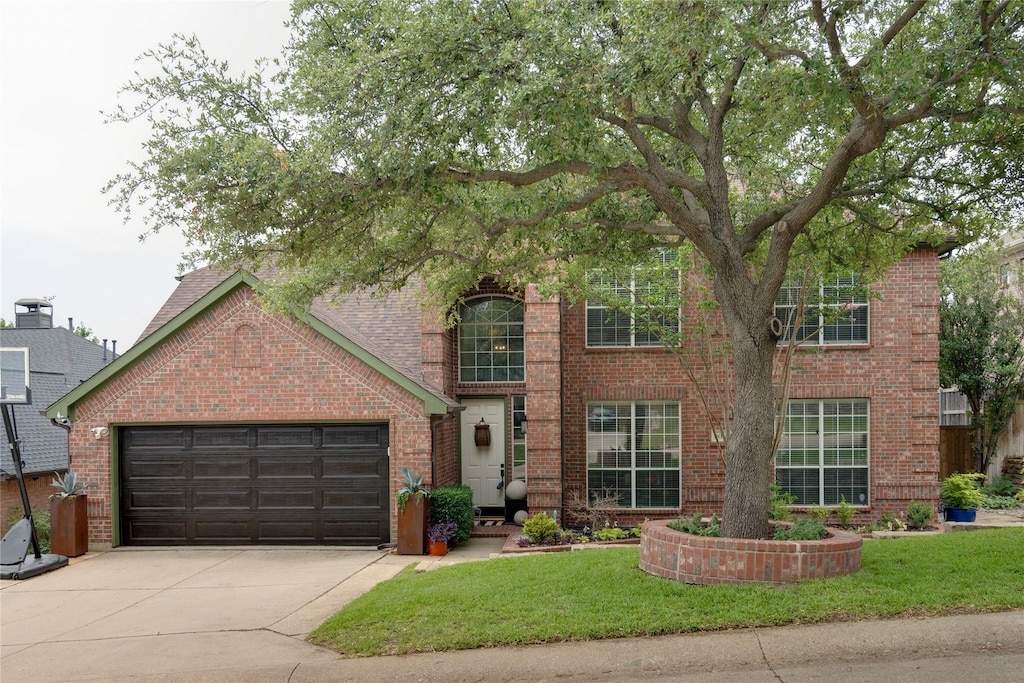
{"x": 38, "y": 314}
{"x": 104, "y": 350}
{"x": 113, "y": 350}
{"x": 71, "y": 325}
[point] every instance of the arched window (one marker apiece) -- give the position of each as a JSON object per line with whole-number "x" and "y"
{"x": 491, "y": 341}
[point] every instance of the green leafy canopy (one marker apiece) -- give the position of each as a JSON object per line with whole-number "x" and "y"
{"x": 477, "y": 137}
{"x": 461, "y": 138}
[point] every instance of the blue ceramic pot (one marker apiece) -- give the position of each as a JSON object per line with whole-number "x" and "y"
{"x": 960, "y": 514}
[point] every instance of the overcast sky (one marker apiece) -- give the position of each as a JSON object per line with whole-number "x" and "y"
{"x": 62, "y": 65}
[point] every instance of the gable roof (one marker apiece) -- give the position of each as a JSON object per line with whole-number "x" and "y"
{"x": 384, "y": 337}
{"x": 59, "y": 361}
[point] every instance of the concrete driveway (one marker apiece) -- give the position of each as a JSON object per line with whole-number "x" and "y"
{"x": 240, "y": 616}
{"x": 187, "y": 614}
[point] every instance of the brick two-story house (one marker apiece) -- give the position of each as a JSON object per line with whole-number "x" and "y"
{"x": 230, "y": 422}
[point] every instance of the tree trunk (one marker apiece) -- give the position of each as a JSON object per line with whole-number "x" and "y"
{"x": 748, "y": 456}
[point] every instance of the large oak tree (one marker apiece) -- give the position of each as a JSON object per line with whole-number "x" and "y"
{"x": 458, "y": 138}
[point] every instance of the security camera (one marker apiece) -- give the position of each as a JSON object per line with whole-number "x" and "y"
{"x": 99, "y": 432}
{"x": 62, "y": 421}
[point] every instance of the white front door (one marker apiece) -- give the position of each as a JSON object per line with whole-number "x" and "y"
{"x": 482, "y": 465}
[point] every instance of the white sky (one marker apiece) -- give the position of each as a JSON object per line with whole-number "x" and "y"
{"x": 61, "y": 65}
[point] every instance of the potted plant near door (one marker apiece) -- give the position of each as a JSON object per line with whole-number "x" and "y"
{"x": 413, "y": 500}
{"x": 440, "y": 535}
{"x": 69, "y": 516}
{"x": 961, "y": 496}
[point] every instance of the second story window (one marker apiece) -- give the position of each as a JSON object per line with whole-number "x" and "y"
{"x": 492, "y": 341}
{"x": 835, "y": 312}
{"x": 630, "y": 310}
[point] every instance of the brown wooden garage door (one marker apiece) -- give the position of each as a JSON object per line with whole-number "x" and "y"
{"x": 254, "y": 484}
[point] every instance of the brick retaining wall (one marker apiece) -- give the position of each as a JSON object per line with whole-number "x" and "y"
{"x": 684, "y": 557}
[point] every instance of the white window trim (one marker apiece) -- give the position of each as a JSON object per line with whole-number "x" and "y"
{"x": 819, "y": 337}
{"x": 821, "y": 467}
{"x": 597, "y": 306}
{"x": 632, "y": 469}
{"x": 458, "y": 342}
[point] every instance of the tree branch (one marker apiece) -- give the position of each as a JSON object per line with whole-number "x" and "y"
{"x": 890, "y": 34}
{"x": 522, "y": 178}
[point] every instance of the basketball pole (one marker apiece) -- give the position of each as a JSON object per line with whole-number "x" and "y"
{"x": 11, "y": 428}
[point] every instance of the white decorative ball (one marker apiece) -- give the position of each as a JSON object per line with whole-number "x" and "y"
{"x": 516, "y": 490}
{"x": 521, "y": 517}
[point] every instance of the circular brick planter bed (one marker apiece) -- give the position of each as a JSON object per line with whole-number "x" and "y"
{"x": 706, "y": 560}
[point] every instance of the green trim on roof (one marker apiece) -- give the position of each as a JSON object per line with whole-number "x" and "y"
{"x": 65, "y": 407}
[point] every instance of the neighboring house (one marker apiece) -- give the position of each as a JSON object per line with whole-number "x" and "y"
{"x": 59, "y": 360}
{"x": 954, "y": 408}
{"x": 1010, "y": 447}
{"x": 232, "y": 423}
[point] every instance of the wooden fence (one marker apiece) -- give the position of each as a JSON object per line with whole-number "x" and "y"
{"x": 955, "y": 450}
{"x": 1011, "y": 446}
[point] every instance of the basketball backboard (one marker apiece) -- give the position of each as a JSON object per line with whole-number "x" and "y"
{"x": 14, "y": 376}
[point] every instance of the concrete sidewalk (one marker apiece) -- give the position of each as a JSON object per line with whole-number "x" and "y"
{"x": 242, "y": 615}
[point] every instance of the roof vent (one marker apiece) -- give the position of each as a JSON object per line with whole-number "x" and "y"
{"x": 38, "y": 314}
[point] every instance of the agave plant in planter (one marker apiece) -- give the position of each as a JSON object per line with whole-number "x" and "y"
{"x": 413, "y": 500}
{"x": 69, "y": 516}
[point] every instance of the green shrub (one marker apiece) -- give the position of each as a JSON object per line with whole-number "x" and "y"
{"x": 801, "y": 530}
{"x": 610, "y": 533}
{"x": 962, "y": 490}
{"x": 845, "y": 511}
{"x": 919, "y": 515}
{"x": 453, "y": 504}
{"x": 778, "y": 504}
{"x": 1020, "y": 496}
{"x": 540, "y": 528}
{"x": 820, "y": 514}
{"x": 42, "y": 522}
{"x": 991, "y": 502}
{"x": 1003, "y": 486}
{"x": 891, "y": 522}
{"x": 696, "y": 526}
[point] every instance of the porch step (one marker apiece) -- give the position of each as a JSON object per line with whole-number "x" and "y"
{"x": 493, "y": 528}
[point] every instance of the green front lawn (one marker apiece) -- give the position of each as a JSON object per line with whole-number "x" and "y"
{"x": 602, "y": 594}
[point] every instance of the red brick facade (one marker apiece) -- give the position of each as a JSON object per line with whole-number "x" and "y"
{"x": 897, "y": 372}
{"x": 200, "y": 375}
{"x": 542, "y": 388}
{"x": 238, "y": 363}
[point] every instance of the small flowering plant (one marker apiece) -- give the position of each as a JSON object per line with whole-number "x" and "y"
{"x": 442, "y": 531}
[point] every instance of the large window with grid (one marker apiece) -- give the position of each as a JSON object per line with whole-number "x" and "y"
{"x": 633, "y": 453}
{"x": 835, "y": 312}
{"x": 823, "y": 455}
{"x": 628, "y": 311}
{"x": 518, "y": 438}
{"x": 492, "y": 341}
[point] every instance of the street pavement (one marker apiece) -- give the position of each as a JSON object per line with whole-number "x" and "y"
{"x": 240, "y": 615}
